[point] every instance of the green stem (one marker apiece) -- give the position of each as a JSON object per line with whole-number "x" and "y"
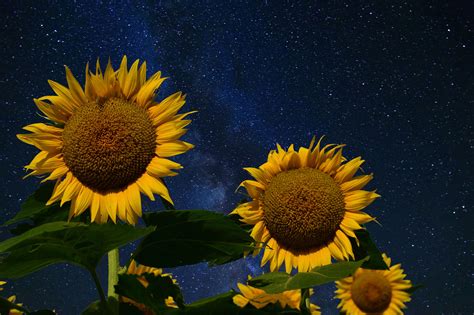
{"x": 98, "y": 285}
{"x": 304, "y": 306}
{"x": 114, "y": 265}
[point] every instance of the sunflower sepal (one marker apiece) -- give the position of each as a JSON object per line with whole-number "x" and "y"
{"x": 59, "y": 242}
{"x": 367, "y": 248}
{"x": 413, "y": 288}
{"x": 277, "y": 282}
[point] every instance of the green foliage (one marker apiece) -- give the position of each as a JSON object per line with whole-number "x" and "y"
{"x": 368, "y": 248}
{"x": 184, "y": 237}
{"x": 35, "y": 210}
{"x": 277, "y": 282}
{"x": 77, "y": 243}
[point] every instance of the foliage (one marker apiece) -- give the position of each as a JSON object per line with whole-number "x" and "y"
{"x": 185, "y": 237}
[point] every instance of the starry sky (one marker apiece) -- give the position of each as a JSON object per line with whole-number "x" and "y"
{"x": 393, "y": 80}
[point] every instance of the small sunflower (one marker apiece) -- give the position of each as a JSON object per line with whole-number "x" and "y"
{"x": 306, "y": 204}
{"x": 134, "y": 269}
{"x": 259, "y": 298}
{"x": 11, "y": 299}
{"x": 109, "y": 142}
{"x": 374, "y": 291}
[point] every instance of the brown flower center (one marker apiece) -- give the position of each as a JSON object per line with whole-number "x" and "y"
{"x": 303, "y": 208}
{"x": 108, "y": 146}
{"x": 371, "y": 292}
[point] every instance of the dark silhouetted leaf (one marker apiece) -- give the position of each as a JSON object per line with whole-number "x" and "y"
{"x": 34, "y": 211}
{"x": 77, "y": 243}
{"x": 35, "y": 205}
{"x": 276, "y": 282}
{"x": 366, "y": 248}
{"x": 184, "y": 237}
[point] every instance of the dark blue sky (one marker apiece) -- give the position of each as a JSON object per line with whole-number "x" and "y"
{"x": 394, "y": 81}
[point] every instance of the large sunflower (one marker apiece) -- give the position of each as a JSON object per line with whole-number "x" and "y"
{"x": 374, "y": 291}
{"x": 108, "y": 142}
{"x": 305, "y": 205}
{"x": 258, "y": 298}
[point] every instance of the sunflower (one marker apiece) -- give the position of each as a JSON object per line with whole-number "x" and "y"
{"x": 259, "y": 298}
{"x": 374, "y": 291}
{"x": 109, "y": 142}
{"x": 11, "y": 299}
{"x": 305, "y": 206}
{"x": 135, "y": 269}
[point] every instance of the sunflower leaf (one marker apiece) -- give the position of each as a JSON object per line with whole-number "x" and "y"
{"x": 277, "y": 282}
{"x": 34, "y": 211}
{"x": 35, "y": 206}
{"x": 154, "y": 295}
{"x": 368, "y": 248}
{"x": 184, "y": 237}
{"x": 56, "y": 242}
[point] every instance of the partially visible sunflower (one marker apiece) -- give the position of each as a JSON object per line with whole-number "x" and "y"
{"x": 259, "y": 298}
{"x": 11, "y": 299}
{"x": 135, "y": 269}
{"x": 109, "y": 142}
{"x": 306, "y": 204}
{"x": 374, "y": 291}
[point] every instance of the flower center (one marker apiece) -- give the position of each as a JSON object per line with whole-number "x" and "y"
{"x": 371, "y": 292}
{"x": 303, "y": 208}
{"x": 108, "y": 146}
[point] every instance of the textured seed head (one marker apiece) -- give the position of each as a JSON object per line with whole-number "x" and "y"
{"x": 108, "y": 146}
{"x": 371, "y": 292}
{"x": 303, "y": 208}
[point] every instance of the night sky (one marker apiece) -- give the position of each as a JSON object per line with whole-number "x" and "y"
{"x": 393, "y": 81}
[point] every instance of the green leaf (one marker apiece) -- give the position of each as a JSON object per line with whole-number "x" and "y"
{"x": 154, "y": 295}
{"x": 35, "y": 211}
{"x": 184, "y": 237}
{"x": 6, "y": 306}
{"x": 77, "y": 243}
{"x": 34, "y": 204}
{"x": 277, "y": 282}
{"x": 366, "y": 248}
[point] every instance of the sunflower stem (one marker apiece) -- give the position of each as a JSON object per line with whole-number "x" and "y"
{"x": 114, "y": 265}
{"x": 98, "y": 286}
{"x": 304, "y": 306}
